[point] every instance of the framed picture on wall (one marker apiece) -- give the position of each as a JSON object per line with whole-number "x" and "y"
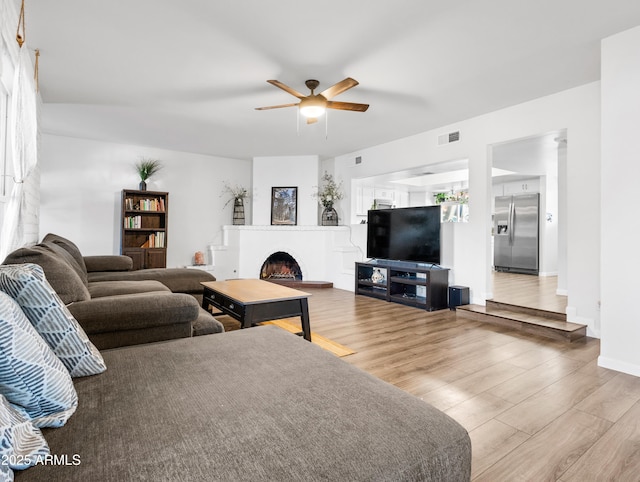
{"x": 284, "y": 206}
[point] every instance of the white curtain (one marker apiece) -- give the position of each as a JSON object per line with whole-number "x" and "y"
{"x": 23, "y": 133}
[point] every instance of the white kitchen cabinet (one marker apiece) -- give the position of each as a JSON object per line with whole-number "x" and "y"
{"x": 518, "y": 187}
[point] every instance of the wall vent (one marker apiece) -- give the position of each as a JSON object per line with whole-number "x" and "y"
{"x": 359, "y": 160}
{"x": 448, "y": 138}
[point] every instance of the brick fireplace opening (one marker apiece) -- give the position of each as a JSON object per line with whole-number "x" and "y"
{"x": 281, "y": 266}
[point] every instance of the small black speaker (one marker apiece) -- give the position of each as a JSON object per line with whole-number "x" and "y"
{"x": 458, "y": 295}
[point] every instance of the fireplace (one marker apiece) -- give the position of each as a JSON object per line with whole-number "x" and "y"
{"x": 322, "y": 253}
{"x": 281, "y": 266}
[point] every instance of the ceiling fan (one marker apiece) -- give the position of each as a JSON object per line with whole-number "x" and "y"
{"x": 314, "y": 105}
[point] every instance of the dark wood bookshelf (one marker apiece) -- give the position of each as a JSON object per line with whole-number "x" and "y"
{"x": 143, "y": 227}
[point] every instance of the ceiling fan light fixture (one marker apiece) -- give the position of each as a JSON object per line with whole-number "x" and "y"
{"x": 312, "y": 106}
{"x": 315, "y": 105}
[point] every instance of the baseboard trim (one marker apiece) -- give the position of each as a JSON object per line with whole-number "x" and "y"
{"x": 619, "y": 366}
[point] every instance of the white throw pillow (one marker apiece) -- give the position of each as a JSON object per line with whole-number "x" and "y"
{"x": 32, "y": 378}
{"x": 21, "y": 444}
{"x": 26, "y": 283}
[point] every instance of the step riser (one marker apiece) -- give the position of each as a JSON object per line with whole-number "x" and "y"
{"x": 497, "y": 305}
{"x": 523, "y": 326}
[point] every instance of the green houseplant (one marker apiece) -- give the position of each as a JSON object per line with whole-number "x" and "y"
{"x": 145, "y": 169}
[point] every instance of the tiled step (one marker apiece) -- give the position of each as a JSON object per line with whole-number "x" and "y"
{"x": 540, "y": 322}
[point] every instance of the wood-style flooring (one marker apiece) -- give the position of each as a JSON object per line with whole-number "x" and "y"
{"x": 529, "y": 291}
{"x": 536, "y": 409}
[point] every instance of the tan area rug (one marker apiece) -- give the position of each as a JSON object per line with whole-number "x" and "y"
{"x": 329, "y": 345}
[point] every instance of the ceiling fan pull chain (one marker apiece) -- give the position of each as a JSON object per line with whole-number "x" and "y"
{"x": 326, "y": 125}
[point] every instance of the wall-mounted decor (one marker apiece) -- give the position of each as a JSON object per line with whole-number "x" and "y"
{"x": 284, "y": 206}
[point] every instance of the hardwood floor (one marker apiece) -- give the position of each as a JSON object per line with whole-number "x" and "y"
{"x": 536, "y": 409}
{"x": 527, "y": 290}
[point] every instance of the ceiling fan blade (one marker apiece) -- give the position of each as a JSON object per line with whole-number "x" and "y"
{"x": 347, "y": 106}
{"x": 339, "y": 88}
{"x": 275, "y": 106}
{"x": 312, "y": 120}
{"x": 286, "y": 88}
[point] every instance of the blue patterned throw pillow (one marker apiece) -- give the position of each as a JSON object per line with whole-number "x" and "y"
{"x": 32, "y": 378}
{"x": 26, "y": 283}
{"x": 21, "y": 444}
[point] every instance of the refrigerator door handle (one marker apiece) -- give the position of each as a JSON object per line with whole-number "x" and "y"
{"x": 512, "y": 215}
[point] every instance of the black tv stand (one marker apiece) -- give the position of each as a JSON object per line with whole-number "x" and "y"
{"x": 423, "y": 285}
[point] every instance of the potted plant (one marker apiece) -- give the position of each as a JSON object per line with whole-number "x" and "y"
{"x": 327, "y": 196}
{"x": 147, "y": 168}
{"x": 237, "y": 194}
{"x": 441, "y": 197}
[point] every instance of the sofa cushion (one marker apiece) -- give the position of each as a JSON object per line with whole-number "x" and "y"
{"x": 69, "y": 247}
{"x": 108, "y": 262}
{"x": 27, "y": 284}
{"x": 206, "y": 324}
{"x": 254, "y": 404}
{"x": 178, "y": 280}
{"x": 60, "y": 274}
{"x": 134, "y": 311}
{"x": 31, "y": 376}
{"x": 100, "y": 289}
{"x": 64, "y": 255}
{"x": 21, "y": 444}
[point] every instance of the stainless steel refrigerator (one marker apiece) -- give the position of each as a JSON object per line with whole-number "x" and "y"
{"x": 516, "y": 233}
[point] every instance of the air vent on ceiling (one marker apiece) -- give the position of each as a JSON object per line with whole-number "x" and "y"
{"x": 448, "y": 138}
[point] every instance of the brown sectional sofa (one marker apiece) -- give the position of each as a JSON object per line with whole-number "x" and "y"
{"x": 119, "y": 268}
{"x": 259, "y": 404}
{"x": 116, "y": 306}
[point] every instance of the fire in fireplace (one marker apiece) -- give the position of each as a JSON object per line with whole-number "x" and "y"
{"x": 281, "y": 265}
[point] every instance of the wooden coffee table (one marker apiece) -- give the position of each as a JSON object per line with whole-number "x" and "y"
{"x": 252, "y": 301}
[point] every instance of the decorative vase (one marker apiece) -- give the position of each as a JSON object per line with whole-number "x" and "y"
{"x": 329, "y": 216}
{"x": 238, "y": 211}
{"x": 377, "y": 276}
{"x": 143, "y": 186}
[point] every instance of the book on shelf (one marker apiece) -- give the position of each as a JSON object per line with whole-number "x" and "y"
{"x": 155, "y": 240}
{"x": 133, "y": 222}
{"x": 155, "y": 204}
{"x": 149, "y": 204}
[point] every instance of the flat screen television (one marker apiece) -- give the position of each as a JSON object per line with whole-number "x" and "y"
{"x": 406, "y": 234}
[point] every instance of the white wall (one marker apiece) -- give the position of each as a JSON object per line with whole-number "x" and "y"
{"x": 286, "y": 171}
{"x": 82, "y": 180}
{"x": 577, "y": 110}
{"x": 620, "y": 258}
{"x": 549, "y": 226}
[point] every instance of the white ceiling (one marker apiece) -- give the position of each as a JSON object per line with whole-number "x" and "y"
{"x": 187, "y": 75}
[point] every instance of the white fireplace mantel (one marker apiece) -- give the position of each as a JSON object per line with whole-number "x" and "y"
{"x": 324, "y": 253}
